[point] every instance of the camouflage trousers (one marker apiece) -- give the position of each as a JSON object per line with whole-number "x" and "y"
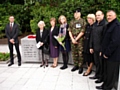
{"x": 77, "y": 54}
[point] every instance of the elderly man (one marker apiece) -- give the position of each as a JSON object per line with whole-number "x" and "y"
{"x": 76, "y": 32}
{"x": 110, "y": 51}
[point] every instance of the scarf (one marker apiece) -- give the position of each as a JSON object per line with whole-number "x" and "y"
{"x": 62, "y": 30}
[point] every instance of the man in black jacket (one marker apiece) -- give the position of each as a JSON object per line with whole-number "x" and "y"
{"x": 95, "y": 44}
{"x": 12, "y": 31}
{"x": 110, "y": 51}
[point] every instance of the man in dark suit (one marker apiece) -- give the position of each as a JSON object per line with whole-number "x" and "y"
{"x": 95, "y": 44}
{"x": 110, "y": 51}
{"x": 12, "y": 31}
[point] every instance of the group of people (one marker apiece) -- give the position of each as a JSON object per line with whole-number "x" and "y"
{"x": 102, "y": 47}
{"x": 47, "y": 39}
{"x": 95, "y": 42}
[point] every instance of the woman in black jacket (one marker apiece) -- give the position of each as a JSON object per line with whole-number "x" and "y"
{"x": 42, "y": 41}
{"x": 88, "y": 57}
{"x": 54, "y": 50}
{"x": 63, "y": 32}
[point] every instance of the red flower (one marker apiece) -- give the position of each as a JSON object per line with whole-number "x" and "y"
{"x": 31, "y": 36}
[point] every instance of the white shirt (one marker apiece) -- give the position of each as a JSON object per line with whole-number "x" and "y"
{"x": 12, "y": 24}
{"x": 41, "y": 32}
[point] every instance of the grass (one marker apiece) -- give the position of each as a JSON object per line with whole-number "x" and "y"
{"x": 4, "y": 56}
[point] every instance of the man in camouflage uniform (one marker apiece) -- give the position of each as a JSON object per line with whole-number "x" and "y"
{"x": 76, "y": 32}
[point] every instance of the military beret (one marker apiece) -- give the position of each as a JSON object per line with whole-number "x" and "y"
{"x": 77, "y": 10}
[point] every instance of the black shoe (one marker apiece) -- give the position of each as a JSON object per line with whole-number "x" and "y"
{"x": 80, "y": 70}
{"x": 99, "y": 87}
{"x": 63, "y": 67}
{"x": 19, "y": 64}
{"x": 74, "y": 68}
{"x": 10, "y": 64}
{"x": 46, "y": 65}
{"x": 98, "y": 81}
{"x": 41, "y": 65}
{"x": 94, "y": 77}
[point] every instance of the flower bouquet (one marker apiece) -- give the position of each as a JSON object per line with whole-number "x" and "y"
{"x": 60, "y": 39}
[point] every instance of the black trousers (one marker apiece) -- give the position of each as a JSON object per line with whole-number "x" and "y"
{"x": 111, "y": 75}
{"x": 11, "y": 52}
{"x": 98, "y": 64}
{"x": 65, "y": 56}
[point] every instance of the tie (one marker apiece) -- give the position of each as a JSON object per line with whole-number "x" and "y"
{"x": 11, "y": 27}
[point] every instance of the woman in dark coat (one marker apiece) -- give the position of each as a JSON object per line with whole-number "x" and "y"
{"x": 88, "y": 57}
{"x": 54, "y": 50}
{"x": 63, "y": 31}
{"x": 42, "y": 40}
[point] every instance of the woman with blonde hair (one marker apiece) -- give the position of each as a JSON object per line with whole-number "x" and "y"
{"x": 54, "y": 50}
{"x": 88, "y": 57}
{"x": 63, "y": 32}
{"x": 42, "y": 40}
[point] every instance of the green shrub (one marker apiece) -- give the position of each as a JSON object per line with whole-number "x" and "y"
{"x": 4, "y": 56}
{"x": 29, "y": 14}
{"x": 42, "y": 13}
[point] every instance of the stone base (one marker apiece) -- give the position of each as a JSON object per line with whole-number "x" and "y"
{"x": 30, "y": 52}
{"x": 6, "y": 61}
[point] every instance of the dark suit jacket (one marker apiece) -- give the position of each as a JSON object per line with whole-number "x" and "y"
{"x": 44, "y": 37}
{"x": 12, "y": 34}
{"x": 55, "y": 32}
{"x": 111, "y": 41}
{"x": 96, "y": 35}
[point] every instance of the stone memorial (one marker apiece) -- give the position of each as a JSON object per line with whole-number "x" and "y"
{"x": 29, "y": 50}
{"x": 30, "y": 53}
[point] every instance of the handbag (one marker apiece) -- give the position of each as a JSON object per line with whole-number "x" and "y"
{"x": 46, "y": 49}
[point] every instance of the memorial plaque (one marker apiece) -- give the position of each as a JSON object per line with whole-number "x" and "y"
{"x": 30, "y": 53}
{"x": 29, "y": 50}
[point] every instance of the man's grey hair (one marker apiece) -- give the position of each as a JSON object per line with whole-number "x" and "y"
{"x": 111, "y": 11}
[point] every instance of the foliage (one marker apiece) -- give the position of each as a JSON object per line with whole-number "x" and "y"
{"x": 4, "y": 56}
{"x": 21, "y": 14}
{"x": 12, "y": 1}
{"x": 29, "y": 14}
{"x": 46, "y": 9}
{"x": 44, "y": 13}
{"x": 3, "y": 21}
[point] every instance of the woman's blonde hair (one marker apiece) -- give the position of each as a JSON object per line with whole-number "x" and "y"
{"x": 92, "y": 16}
{"x": 41, "y": 22}
{"x": 59, "y": 19}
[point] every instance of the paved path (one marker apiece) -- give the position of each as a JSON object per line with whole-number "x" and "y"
{"x": 31, "y": 77}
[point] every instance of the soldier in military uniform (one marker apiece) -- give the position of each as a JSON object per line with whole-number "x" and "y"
{"x": 76, "y": 32}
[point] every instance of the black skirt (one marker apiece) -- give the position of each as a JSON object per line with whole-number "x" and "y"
{"x": 88, "y": 58}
